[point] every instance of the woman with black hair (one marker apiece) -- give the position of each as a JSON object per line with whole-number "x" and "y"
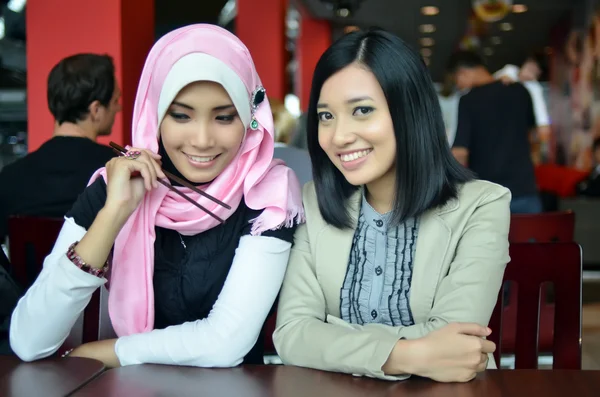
{"x": 398, "y": 267}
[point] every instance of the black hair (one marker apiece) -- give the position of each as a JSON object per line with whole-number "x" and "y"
{"x": 540, "y": 59}
{"x": 465, "y": 59}
{"x": 596, "y": 144}
{"x": 427, "y": 175}
{"x": 77, "y": 81}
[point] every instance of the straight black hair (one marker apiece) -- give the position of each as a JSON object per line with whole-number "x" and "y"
{"x": 427, "y": 175}
{"x": 77, "y": 81}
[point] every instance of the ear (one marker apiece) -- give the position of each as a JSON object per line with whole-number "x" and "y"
{"x": 95, "y": 108}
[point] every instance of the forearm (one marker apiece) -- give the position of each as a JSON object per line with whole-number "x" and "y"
{"x": 44, "y": 317}
{"x": 97, "y": 243}
{"x": 233, "y": 325}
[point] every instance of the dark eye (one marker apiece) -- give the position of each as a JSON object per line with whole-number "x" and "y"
{"x": 179, "y": 116}
{"x": 324, "y": 116}
{"x": 362, "y": 110}
{"x": 226, "y": 118}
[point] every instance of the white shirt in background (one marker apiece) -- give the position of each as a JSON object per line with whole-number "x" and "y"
{"x": 535, "y": 91}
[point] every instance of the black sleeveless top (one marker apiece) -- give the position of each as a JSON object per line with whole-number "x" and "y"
{"x": 189, "y": 271}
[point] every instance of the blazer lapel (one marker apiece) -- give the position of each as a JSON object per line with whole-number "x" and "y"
{"x": 332, "y": 254}
{"x": 430, "y": 256}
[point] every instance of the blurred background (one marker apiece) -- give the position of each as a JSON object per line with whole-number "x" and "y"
{"x": 288, "y": 37}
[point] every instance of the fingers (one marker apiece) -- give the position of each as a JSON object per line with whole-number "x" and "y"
{"x": 148, "y": 167}
{"x": 154, "y": 163}
{"x": 473, "y": 329}
{"x": 487, "y": 346}
{"x": 482, "y": 366}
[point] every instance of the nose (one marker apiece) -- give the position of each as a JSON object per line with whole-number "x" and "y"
{"x": 343, "y": 133}
{"x": 200, "y": 136}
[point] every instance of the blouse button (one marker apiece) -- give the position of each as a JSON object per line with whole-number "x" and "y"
{"x": 379, "y": 222}
{"x": 374, "y": 314}
{"x": 378, "y": 270}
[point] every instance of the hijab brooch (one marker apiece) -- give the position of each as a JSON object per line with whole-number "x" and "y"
{"x": 258, "y": 96}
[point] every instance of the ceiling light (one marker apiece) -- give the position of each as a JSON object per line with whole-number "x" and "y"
{"x": 343, "y": 12}
{"x": 427, "y": 28}
{"x": 506, "y": 26}
{"x": 495, "y": 40}
{"x": 519, "y": 8}
{"x": 426, "y": 41}
{"x": 487, "y": 51}
{"x": 426, "y": 52}
{"x": 16, "y": 5}
{"x": 430, "y": 11}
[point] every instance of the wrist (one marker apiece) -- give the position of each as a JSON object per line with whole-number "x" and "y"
{"x": 117, "y": 214}
{"x": 408, "y": 357}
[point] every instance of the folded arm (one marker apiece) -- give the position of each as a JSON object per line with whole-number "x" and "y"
{"x": 232, "y": 328}
{"x": 306, "y": 336}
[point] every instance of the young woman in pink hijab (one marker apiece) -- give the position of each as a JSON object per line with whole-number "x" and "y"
{"x": 184, "y": 288}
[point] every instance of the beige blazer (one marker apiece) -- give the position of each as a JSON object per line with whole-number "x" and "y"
{"x": 461, "y": 253}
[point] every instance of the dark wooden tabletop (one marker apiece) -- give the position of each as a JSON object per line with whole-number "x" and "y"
{"x": 280, "y": 381}
{"x": 47, "y": 378}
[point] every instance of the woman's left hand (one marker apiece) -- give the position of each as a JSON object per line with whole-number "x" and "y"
{"x": 103, "y": 350}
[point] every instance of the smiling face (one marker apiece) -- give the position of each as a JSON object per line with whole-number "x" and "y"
{"x": 355, "y": 127}
{"x": 201, "y": 131}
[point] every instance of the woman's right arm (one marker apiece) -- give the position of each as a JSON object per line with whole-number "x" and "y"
{"x": 44, "y": 317}
{"x": 303, "y": 336}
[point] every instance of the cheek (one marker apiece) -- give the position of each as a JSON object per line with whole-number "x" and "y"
{"x": 230, "y": 137}
{"x": 323, "y": 138}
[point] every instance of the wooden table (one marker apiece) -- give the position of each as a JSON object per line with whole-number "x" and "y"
{"x": 280, "y": 381}
{"x": 47, "y": 378}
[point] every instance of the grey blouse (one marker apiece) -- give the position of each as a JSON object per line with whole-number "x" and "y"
{"x": 377, "y": 284}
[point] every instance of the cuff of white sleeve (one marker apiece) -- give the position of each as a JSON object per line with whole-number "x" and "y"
{"x": 74, "y": 276}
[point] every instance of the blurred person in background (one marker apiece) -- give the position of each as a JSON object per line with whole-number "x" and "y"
{"x": 297, "y": 159}
{"x": 83, "y": 96}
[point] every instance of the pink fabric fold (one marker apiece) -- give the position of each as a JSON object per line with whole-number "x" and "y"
{"x": 264, "y": 183}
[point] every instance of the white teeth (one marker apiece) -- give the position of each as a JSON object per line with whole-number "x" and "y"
{"x": 355, "y": 155}
{"x": 201, "y": 159}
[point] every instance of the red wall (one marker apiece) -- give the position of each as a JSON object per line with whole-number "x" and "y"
{"x": 260, "y": 24}
{"x": 124, "y": 29}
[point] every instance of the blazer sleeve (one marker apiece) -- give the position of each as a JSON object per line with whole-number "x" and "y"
{"x": 468, "y": 293}
{"x": 304, "y": 337}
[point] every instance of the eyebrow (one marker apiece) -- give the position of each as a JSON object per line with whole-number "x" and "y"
{"x": 183, "y": 105}
{"x": 349, "y": 101}
{"x": 215, "y": 109}
{"x": 223, "y": 107}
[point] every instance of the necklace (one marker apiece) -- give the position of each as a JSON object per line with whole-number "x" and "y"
{"x": 182, "y": 242}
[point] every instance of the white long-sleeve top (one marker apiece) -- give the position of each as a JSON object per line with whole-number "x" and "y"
{"x": 540, "y": 109}
{"x": 44, "y": 317}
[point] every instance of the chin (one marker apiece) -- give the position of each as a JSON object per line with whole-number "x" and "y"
{"x": 195, "y": 176}
{"x": 358, "y": 178}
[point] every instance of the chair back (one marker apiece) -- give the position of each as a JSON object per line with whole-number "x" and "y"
{"x": 531, "y": 265}
{"x": 31, "y": 239}
{"x": 546, "y": 227}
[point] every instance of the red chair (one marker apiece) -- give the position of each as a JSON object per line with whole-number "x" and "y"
{"x": 541, "y": 228}
{"x": 531, "y": 265}
{"x": 31, "y": 239}
{"x": 546, "y": 227}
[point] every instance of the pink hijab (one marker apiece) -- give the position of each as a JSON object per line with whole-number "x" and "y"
{"x": 264, "y": 183}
